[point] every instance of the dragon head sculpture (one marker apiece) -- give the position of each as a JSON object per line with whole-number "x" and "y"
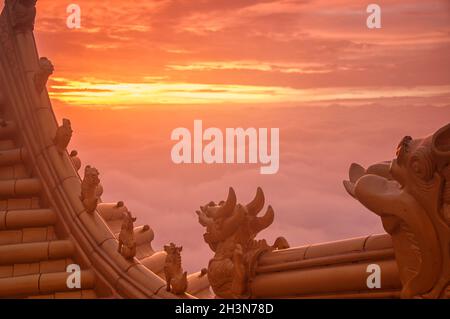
{"x": 411, "y": 194}
{"x": 228, "y": 218}
{"x": 231, "y": 229}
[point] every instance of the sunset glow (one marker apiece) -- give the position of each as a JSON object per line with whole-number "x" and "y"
{"x": 184, "y": 52}
{"x": 338, "y": 91}
{"x": 94, "y": 92}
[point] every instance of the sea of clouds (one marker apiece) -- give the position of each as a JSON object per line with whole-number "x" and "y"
{"x": 131, "y": 149}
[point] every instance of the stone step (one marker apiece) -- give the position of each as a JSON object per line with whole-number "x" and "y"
{"x": 43, "y": 284}
{"x": 28, "y": 218}
{"x": 20, "y": 187}
{"x": 35, "y": 252}
{"x": 12, "y": 156}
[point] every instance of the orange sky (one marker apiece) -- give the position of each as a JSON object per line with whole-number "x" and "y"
{"x": 226, "y": 62}
{"x": 244, "y": 51}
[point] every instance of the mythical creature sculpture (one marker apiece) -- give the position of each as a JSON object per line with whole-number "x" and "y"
{"x": 46, "y": 69}
{"x": 127, "y": 242}
{"x": 411, "y": 194}
{"x": 63, "y": 136}
{"x": 22, "y": 13}
{"x": 76, "y": 161}
{"x": 89, "y": 189}
{"x": 175, "y": 277}
{"x": 231, "y": 229}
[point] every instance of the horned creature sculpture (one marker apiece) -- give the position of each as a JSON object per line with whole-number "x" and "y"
{"x": 231, "y": 229}
{"x": 89, "y": 189}
{"x": 175, "y": 277}
{"x": 127, "y": 242}
{"x": 411, "y": 194}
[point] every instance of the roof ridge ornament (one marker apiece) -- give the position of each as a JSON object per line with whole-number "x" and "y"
{"x": 22, "y": 14}
{"x": 127, "y": 240}
{"x": 41, "y": 77}
{"x": 89, "y": 193}
{"x": 231, "y": 230}
{"x": 63, "y": 136}
{"x": 411, "y": 194}
{"x": 176, "y": 277}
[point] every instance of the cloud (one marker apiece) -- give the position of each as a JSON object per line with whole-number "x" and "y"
{"x": 131, "y": 148}
{"x": 259, "y": 43}
{"x": 338, "y": 91}
{"x": 105, "y": 93}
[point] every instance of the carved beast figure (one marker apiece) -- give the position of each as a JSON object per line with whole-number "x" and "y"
{"x": 46, "y": 69}
{"x": 76, "y": 161}
{"x": 411, "y": 194}
{"x": 231, "y": 229}
{"x": 175, "y": 277}
{"x": 63, "y": 136}
{"x": 127, "y": 242}
{"x": 22, "y": 13}
{"x": 89, "y": 189}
